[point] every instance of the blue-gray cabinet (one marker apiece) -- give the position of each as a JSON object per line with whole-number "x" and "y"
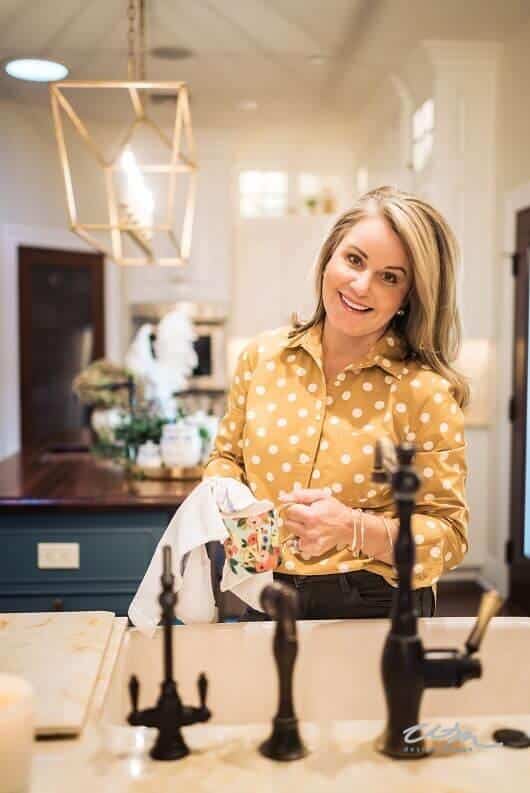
{"x": 115, "y": 548}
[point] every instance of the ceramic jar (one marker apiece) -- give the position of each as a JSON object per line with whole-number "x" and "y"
{"x": 180, "y": 444}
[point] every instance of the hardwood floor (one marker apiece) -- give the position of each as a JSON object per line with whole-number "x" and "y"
{"x": 462, "y": 598}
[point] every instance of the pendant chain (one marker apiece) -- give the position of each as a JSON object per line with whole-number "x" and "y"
{"x": 136, "y": 40}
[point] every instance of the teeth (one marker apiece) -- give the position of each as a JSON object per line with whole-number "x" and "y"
{"x": 354, "y": 305}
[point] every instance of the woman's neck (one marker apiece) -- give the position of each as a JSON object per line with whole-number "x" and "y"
{"x": 339, "y": 349}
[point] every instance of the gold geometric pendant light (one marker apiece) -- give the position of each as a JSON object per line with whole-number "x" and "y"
{"x": 130, "y": 233}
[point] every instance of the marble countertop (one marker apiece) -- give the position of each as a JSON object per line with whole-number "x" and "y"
{"x": 60, "y": 654}
{"x": 342, "y": 758}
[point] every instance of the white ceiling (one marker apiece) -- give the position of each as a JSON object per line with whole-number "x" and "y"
{"x": 257, "y": 50}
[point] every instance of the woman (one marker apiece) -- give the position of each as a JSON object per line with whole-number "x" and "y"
{"x": 308, "y": 403}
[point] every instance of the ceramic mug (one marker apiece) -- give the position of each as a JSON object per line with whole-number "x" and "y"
{"x": 254, "y": 543}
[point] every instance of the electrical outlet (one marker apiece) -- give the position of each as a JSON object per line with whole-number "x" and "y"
{"x": 58, "y": 555}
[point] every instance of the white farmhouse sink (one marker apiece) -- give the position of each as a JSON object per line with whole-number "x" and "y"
{"x": 337, "y": 673}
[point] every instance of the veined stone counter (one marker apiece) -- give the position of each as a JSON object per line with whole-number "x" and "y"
{"x": 60, "y": 655}
{"x": 225, "y": 758}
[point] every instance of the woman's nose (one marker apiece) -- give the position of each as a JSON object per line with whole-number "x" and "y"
{"x": 361, "y": 283}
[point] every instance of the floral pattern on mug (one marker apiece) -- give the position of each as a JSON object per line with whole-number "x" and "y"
{"x": 254, "y": 542}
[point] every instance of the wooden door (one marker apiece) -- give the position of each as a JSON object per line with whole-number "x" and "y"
{"x": 61, "y": 330}
{"x": 518, "y": 547}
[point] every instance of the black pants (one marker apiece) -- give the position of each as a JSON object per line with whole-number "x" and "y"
{"x": 356, "y": 595}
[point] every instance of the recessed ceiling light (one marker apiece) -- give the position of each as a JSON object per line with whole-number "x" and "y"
{"x": 248, "y": 104}
{"x": 38, "y": 71}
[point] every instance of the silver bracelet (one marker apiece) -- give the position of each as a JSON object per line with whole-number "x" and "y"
{"x": 361, "y": 546}
{"x": 354, "y": 540}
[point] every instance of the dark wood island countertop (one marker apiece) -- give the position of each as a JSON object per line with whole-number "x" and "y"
{"x": 72, "y": 480}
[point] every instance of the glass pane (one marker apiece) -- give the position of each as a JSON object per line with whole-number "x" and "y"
{"x": 308, "y": 184}
{"x": 63, "y": 333}
{"x": 273, "y": 205}
{"x": 263, "y": 193}
{"x": 274, "y": 182}
{"x": 248, "y": 206}
{"x": 249, "y": 181}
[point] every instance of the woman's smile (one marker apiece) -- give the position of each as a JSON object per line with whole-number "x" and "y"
{"x": 353, "y": 306}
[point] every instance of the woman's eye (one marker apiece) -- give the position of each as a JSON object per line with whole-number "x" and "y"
{"x": 354, "y": 259}
{"x": 390, "y": 278}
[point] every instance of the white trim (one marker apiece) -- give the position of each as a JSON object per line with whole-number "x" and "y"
{"x": 11, "y": 236}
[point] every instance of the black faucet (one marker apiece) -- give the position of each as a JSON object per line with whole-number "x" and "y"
{"x": 407, "y": 668}
{"x": 281, "y": 603}
{"x": 169, "y": 714}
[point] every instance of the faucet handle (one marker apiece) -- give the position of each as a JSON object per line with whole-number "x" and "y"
{"x": 134, "y": 690}
{"x": 490, "y": 604}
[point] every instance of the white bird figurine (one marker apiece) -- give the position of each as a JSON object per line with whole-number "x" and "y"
{"x": 164, "y": 358}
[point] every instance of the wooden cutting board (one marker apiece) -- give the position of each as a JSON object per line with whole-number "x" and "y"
{"x": 60, "y": 655}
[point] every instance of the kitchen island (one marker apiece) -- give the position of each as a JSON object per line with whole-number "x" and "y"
{"x": 77, "y": 533}
{"x": 342, "y": 753}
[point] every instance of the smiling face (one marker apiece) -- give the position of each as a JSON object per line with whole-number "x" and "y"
{"x": 365, "y": 282}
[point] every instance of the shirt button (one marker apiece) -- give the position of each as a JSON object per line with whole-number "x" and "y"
{"x": 318, "y": 417}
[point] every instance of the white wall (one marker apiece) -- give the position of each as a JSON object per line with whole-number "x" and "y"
{"x": 382, "y": 145}
{"x": 273, "y": 270}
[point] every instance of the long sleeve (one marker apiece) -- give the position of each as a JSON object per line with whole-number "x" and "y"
{"x": 440, "y": 519}
{"x": 226, "y": 458}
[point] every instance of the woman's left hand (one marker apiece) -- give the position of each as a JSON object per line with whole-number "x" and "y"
{"x": 320, "y": 521}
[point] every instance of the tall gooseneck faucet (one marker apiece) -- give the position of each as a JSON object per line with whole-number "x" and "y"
{"x": 407, "y": 668}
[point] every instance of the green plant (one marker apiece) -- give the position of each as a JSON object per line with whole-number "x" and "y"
{"x": 140, "y": 428}
{"x": 203, "y": 432}
{"x": 109, "y": 451}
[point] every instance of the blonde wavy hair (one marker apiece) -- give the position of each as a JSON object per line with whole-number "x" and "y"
{"x": 430, "y": 324}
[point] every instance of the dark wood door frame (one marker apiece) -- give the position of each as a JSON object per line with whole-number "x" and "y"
{"x": 29, "y": 257}
{"x": 519, "y": 564}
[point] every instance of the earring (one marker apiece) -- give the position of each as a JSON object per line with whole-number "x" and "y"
{"x": 400, "y": 313}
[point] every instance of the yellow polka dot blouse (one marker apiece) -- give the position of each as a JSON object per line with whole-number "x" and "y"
{"x": 286, "y": 428}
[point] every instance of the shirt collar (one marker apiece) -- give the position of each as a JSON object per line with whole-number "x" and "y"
{"x": 387, "y": 352}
